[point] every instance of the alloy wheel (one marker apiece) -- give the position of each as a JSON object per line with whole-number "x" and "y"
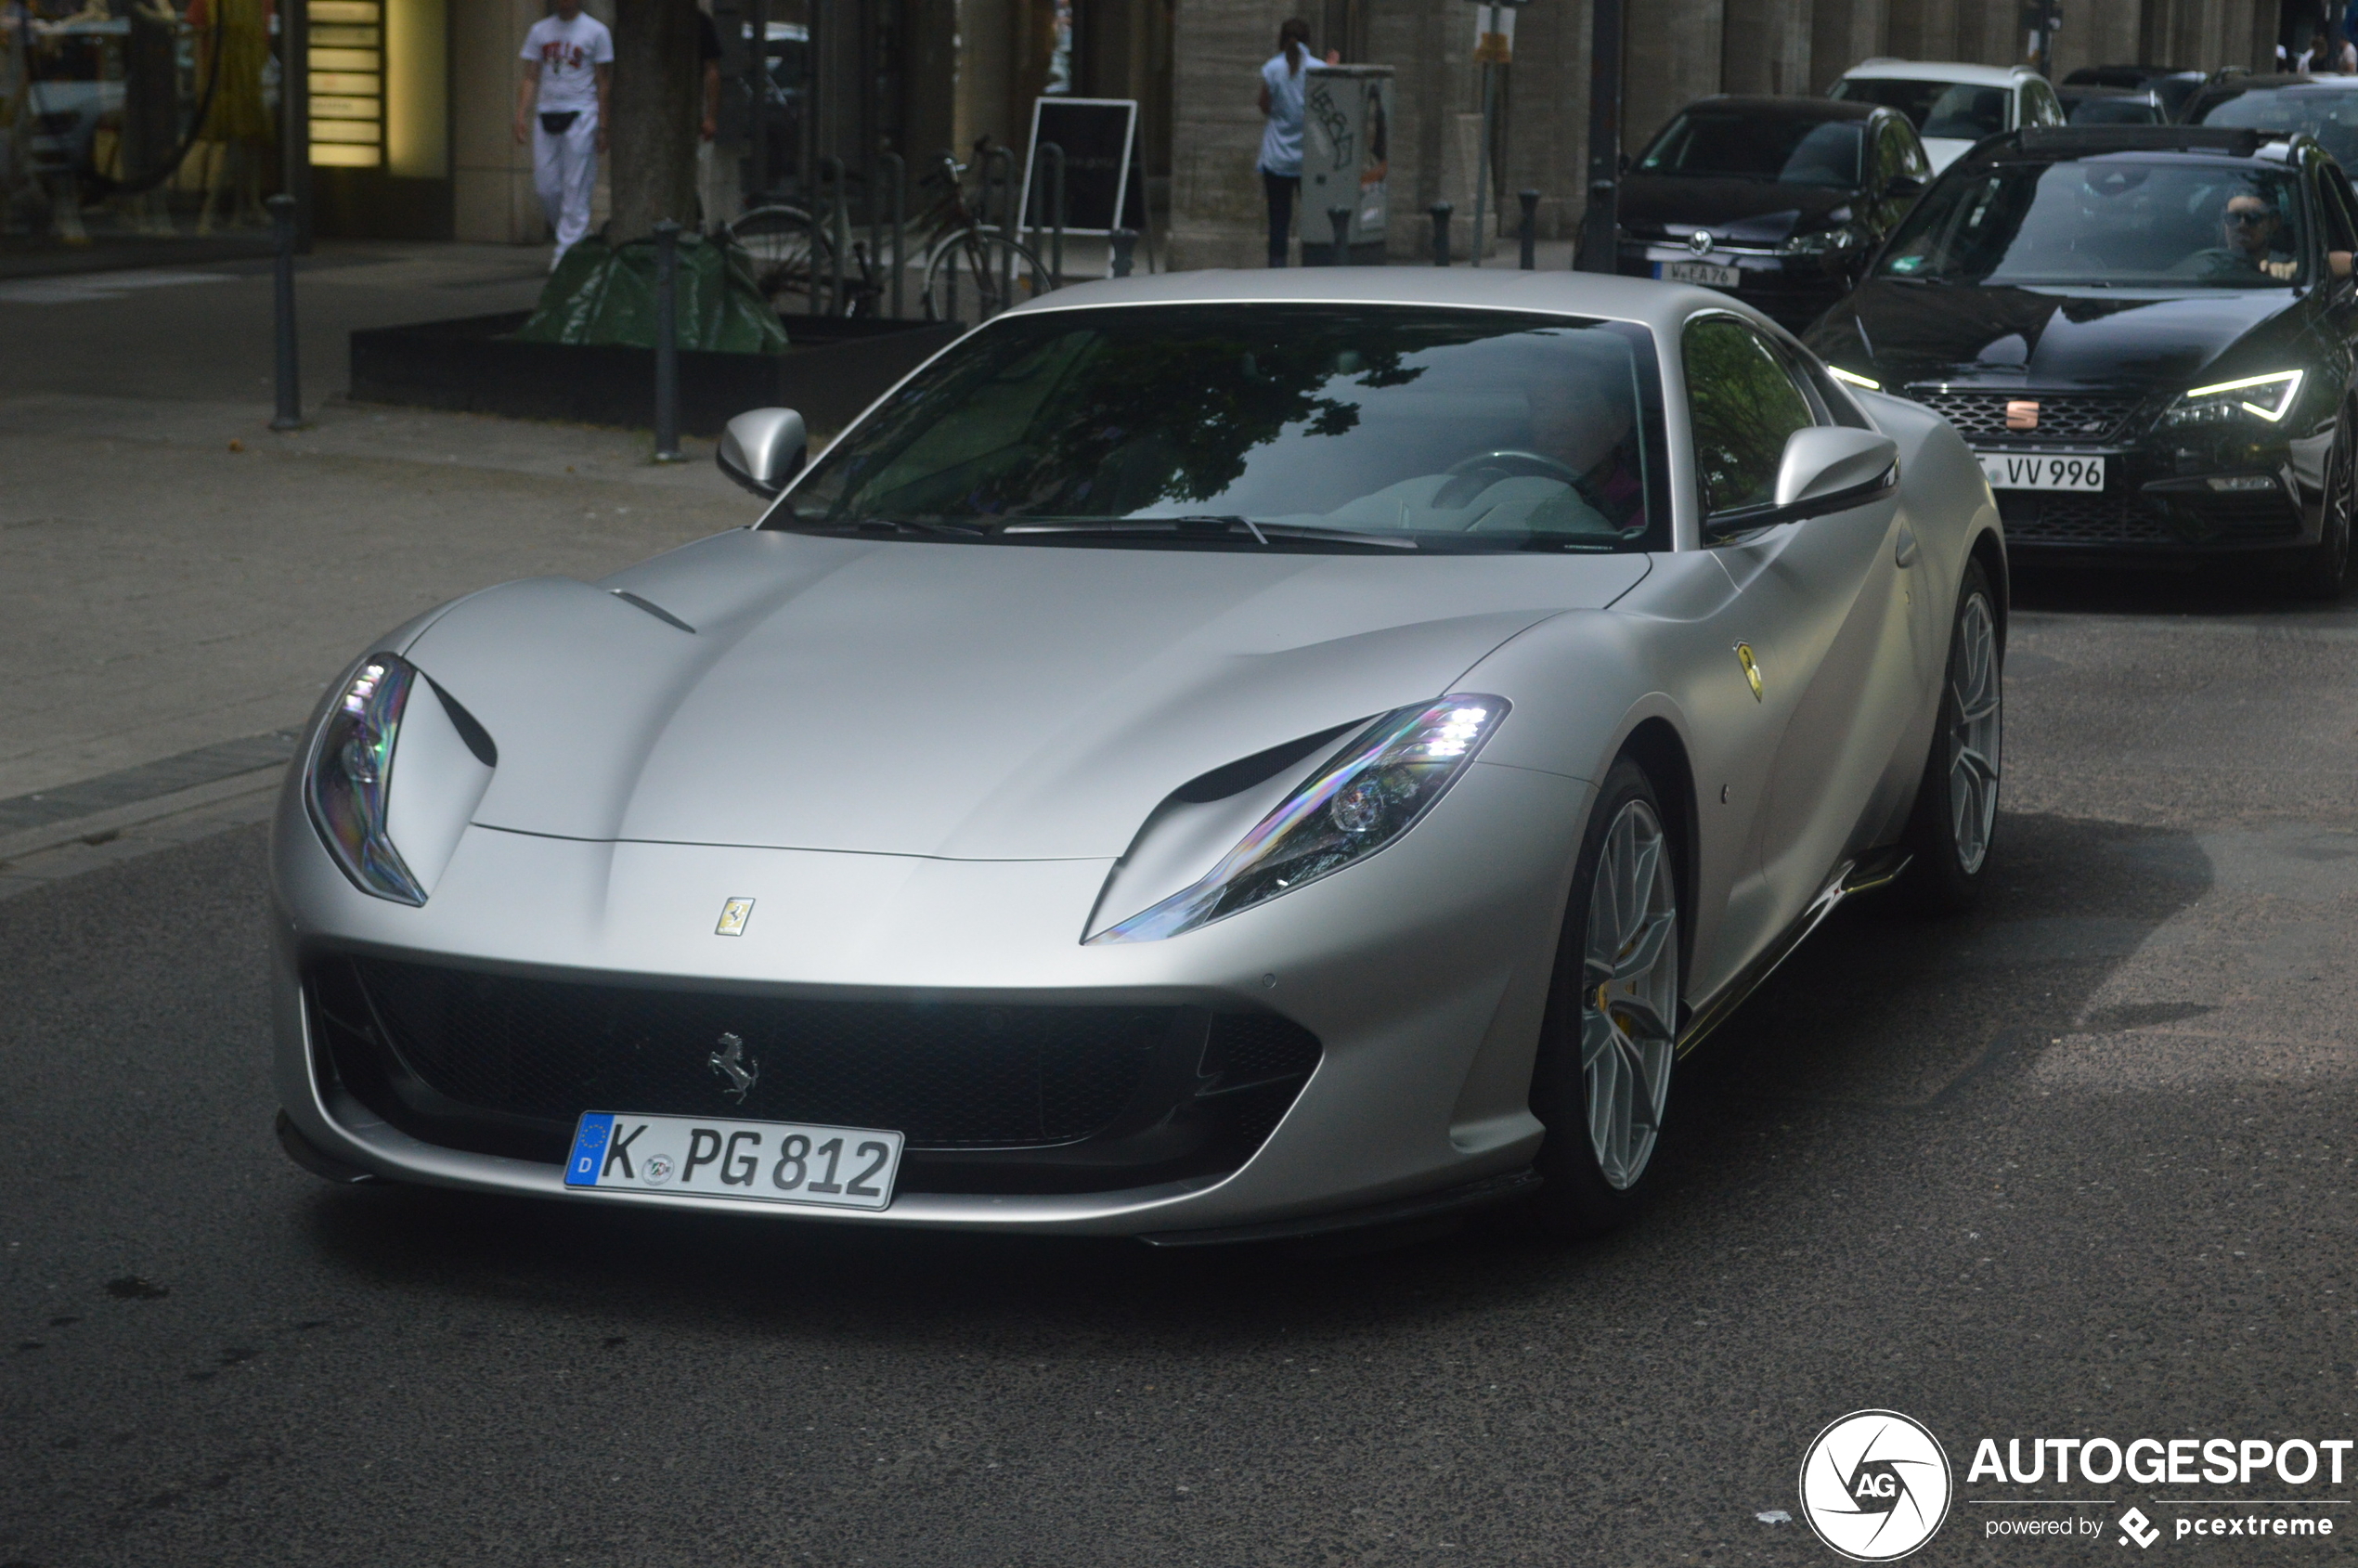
{"x": 1629, "y": 995}
{"x": 1974, "y": 733}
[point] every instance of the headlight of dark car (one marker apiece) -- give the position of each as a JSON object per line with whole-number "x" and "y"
{"x": 1820, "y": 242}
{"x": 351, "y": 780}
{"x": 2268, "y": 398}
{"x": 1366, "y": 797}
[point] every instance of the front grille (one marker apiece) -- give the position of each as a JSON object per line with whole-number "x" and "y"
{"x": 1113, "y": 1094}
{"x": 2066, "y": 417}
{"x": 2122, "y": 517}
{"x": 2104, "y": 517}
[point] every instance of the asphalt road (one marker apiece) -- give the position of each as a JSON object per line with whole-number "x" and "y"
{"x": 2080, "y": 1165}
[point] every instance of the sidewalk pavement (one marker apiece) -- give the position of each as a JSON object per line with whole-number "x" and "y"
{"x": 174, "y": 576}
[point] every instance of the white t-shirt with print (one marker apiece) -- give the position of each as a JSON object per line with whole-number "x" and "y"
{"x": 569, "y": 53}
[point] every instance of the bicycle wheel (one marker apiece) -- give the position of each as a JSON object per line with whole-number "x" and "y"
{"x": 982, "y": 272}
{"x": 791, "y": 258}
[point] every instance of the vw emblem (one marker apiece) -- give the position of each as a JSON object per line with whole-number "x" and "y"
{"x": 1699, "y": 241}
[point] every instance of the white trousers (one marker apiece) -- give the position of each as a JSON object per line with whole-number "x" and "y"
{"x": 564, "y": 170}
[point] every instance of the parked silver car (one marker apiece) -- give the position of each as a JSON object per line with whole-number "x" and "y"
{"x": 1208, "y": 757}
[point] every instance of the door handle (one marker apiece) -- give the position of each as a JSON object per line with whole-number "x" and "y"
{"x": 1904, "y": 551}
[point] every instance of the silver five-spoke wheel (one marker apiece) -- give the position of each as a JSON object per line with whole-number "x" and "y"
{"x": 1974, "y": 733}
{"x": 1629, "y": 995}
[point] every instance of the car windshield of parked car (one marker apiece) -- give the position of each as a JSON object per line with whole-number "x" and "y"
{"x": 1263, "y": 426}
{"x": 1956, "y": 110}
{"x": 2329, "y": 113}
{"x": 2125, "y": 221}
{"x": 1725, "y": 145}
{"x": 2137, "y": 110}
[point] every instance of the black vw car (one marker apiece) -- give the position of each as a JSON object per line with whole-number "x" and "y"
{"x": 1779, "y": 201}
{"x": 2145, "y": 330}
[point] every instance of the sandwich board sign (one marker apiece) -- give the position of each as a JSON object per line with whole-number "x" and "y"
{"x": 1100, "y": 141}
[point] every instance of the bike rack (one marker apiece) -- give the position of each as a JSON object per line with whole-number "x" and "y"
{"x": 831, "y": 182}
{"x": 896, "y": 171}
{"x": 1053, "y": 156}
{"x": 839, "y": 221}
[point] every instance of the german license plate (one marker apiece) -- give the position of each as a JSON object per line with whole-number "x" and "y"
{"x": 763, "y": 1161}
{"x": 2016, "y": 470}
{"x": 1711, "y": 275}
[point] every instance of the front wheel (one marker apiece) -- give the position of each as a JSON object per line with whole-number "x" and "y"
{"x": 975, "y": 270}
{"x": 1956, "y": 815}
{"x": 1609, "y": 1039}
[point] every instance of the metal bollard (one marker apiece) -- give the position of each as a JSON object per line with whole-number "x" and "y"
{"x": 839, "y": 221}
{"x": 1340, "y": 254}
{"x": 667, "y": 342}
{"x": 290, "y": 367}
{"x": 1441, "y": 211}
{"x": 1053, "y": 156}
{"x": 1530, "y": 200}
{"x": 1123, "y": 239}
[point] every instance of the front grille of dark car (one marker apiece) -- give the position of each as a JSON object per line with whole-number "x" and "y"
{"x": 990, "y": 1097}
{"x": 2071, "y": 418}
{"x": 2127, "y": 518}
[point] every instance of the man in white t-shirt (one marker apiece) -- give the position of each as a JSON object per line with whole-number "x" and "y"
{"x": 560, "y": 104}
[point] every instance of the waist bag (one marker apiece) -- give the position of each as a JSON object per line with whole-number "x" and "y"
{"x": 559, "y": 124}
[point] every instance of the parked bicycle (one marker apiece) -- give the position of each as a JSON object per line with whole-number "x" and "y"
{"x": 963, "y": 257}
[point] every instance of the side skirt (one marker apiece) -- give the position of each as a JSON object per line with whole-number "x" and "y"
{"x": 1858, "y": 876}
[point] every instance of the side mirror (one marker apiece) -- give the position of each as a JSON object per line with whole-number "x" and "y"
{"x": 1903, "y": 188}
{"x": 762, "y": 450}
{"x": 1826, "y": 468}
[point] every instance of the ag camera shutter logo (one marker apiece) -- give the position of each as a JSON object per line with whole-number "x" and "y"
{"x": 1875, "y": 1485}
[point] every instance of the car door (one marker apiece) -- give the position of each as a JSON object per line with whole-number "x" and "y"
{"x": 1819, "y": 617}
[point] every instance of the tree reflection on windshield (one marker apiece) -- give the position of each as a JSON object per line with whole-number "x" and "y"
{"x": 1472, "y": 429}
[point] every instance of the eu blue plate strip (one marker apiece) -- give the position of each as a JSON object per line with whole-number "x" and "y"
{"x": 588, "y": 1149}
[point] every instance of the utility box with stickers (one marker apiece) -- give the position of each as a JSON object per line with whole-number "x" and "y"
{"x": 1346, "y": 153}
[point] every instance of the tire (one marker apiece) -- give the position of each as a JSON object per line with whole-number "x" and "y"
{"x": 2324, "y": 572}
{"x": 1955, "y": 820}
{"x": 979, "y": 271}
{"x": 789, "y": 254}
{"x": 1601, "y": 1081}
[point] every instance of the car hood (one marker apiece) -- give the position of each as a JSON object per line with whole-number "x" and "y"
{"x": 962, "y": 701}
{"x": 1911, "y": 332}
{"x": 1741, "y": 211}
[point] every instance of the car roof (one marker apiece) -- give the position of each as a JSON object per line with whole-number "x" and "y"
{"x": 2289, "y": 83}
{"x": 2211, "y": 142}
{"x": 1940, "y": 70}
{"x": 1664, "y": 306}
{"x": 1769, "y": 108}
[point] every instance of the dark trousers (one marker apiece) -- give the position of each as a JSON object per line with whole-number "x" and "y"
{"x": 1282, "y": 189}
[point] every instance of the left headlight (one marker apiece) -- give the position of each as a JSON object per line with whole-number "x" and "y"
{"x": 351, "y": 778}
{"x": 1820, "y": 241}
{"x": 1366, "y": 797}
{"x": 2268, "y": 397}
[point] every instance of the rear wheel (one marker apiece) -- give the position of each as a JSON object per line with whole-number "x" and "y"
{"x": 1608, "y": 1045}
{"x": 1956, "y": 814}
{"x": 790, "y": 255}
{"x": 2324, "y": 569}
{"x": 974, "y": 273}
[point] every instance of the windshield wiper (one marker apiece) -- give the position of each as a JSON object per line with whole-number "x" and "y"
{"x": 1227, "y": 526}
{"x": 889, "y": 526}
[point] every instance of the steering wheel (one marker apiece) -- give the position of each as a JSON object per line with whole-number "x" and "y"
{"x": 1511, "y": 463}
{"x": 1514, "y": 463}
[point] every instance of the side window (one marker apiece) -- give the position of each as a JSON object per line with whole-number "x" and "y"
{"x": 2333, "y": 191}
{"x": 1913, "y": 153}
{"x": 1741, "y": 407}
{"x": 1890, "y": 158}
{"x": 2049, "y": 108}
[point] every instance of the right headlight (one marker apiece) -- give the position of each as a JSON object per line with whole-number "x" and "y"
{"x": 351, "y": 777}
{"x": 2267, "y": 398}
{"x": 1365, "y": 797}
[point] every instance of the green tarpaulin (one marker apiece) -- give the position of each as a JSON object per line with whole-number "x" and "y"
{"x": 600, "y": 295}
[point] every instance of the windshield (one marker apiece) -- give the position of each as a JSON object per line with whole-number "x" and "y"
{"x": 2122, "y": 220}
{"x": 2330, "y": 115}
{"x": 2135, "y": 111}
{"x": 1751, "y": 147}
{"x": 1279, "y": 426}
{"x": 1957, "y": 110}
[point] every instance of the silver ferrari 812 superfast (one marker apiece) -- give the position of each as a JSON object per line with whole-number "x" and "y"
{"x": 1211, "y": 757}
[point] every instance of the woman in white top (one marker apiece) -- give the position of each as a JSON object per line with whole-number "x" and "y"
{"x": 1281, "y": 90}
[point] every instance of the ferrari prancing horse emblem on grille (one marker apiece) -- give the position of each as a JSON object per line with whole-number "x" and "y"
{"x": 733, "y": 915}
{"x": 731, "y": 1063}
